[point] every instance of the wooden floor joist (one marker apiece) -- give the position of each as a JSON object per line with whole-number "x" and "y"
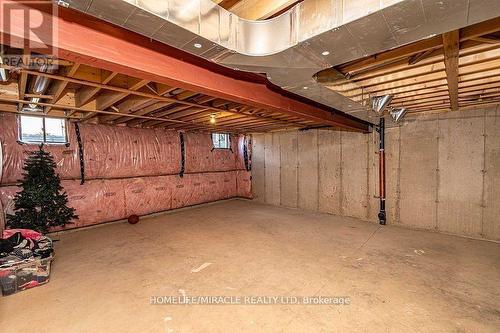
{"x": 81, "y": 37}
{"x": 448, "y": 71}
{"x": 452, "y": 70}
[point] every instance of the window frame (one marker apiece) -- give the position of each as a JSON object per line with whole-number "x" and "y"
{"x": 228, "y": 140}
{"x": 44, "y": 142}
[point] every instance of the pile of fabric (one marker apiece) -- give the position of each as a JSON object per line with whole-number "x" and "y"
{"x": 25, "y": 258}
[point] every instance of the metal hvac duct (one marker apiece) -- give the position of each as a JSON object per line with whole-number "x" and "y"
{"x": 397, "y": 114}
{"x": 380, "y": 103}
{"x": 40, "y": 86}
{"x": 292, "y": 47}
{"x": 4, "y": 73}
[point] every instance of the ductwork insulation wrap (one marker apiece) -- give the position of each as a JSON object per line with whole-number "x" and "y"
{"x": 131, "y": 171}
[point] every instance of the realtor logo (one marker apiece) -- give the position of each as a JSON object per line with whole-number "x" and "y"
{"x": 29, "y": 32}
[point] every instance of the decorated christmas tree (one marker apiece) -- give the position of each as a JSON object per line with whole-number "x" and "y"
{"x": 41, "y": 204}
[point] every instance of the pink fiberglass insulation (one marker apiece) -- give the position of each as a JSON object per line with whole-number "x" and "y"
{"x": 148, "y": 195}
{"x": 103, "y": 200}
{"x": 121, "y": 152}
{"x": 117, "y": 152}
{"x": 240, "y": 161}
{"x": 244, "y": 183}
{"x": 96, "y": 201}
{"x": 14, "y": 153}
{"x": 200, "y": 156}
{"x": 199, "y": 188}
{"x": 131, "y": 171}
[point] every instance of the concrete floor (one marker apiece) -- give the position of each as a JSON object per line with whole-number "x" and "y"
{"x": 398, "y": 280}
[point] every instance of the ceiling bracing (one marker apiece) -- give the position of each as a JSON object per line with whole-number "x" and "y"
{"x": 83, "y": 93}
{"x": 111, "y": 87}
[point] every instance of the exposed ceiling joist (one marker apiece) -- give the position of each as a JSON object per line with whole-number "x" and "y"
{"x": 109, "y": 98}
{"x": 226, "y": 4}
{"x": 453, "y": 71}
{"x": 257, "y": 9}
{"x": 165, "y": 120}
{"x": 404, "y": 52}
{"x": 23, "y": 79}
{"x": 81, "y": 38}
{"x": 85, "y": 95}
{"x": 59, "y": 87}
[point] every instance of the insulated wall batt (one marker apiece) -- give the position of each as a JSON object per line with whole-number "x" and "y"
{"x": 14, "y": 153}
{"x": 132, "y": 171}
{"x": 201, "y": 157}
{"x": 244, "y": 183}
{"x": 114, "y": 152}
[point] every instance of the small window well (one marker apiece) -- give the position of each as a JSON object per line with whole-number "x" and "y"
{"x": 220, "y": 140}
{"x": 42, "y": 130}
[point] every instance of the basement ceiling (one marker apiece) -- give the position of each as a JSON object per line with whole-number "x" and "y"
{"x": 444, "y": 72}
{"x": 89, "y": 94}
{"x": 307, "y": 37}
{"x": 456, "y": 70}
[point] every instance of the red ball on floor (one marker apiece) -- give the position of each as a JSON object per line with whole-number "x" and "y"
{"x": 133, "y": 219}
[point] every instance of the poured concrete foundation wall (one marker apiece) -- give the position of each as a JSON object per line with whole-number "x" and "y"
{"x": 443, "y": 172}
{"x": 130, "y": 171}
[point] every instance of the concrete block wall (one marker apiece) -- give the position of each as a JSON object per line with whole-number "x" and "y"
{"x": 318, "y": 170}
{"x": 443, "y": 172}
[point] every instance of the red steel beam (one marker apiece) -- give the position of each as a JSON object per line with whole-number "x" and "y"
{"x": 89, "y": 41}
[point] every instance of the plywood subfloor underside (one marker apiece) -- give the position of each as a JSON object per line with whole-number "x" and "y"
{"x": 399, "y": 280}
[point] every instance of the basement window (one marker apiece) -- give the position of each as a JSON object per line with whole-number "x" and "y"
{"x": 220, "y": 140}
{"x": 42, "y": 130}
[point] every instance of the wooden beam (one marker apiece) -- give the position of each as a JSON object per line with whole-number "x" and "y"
{"x": 392, "y": 55}
{"x": 87, "y": 93}
{"x": 283, "y": 10}
{"x": 416, "y": 58}
{"x": 227, "y": 4}
{"x": 451, "y": 43}
{"x": 259, "y": 9}
{"x": 137, "y": 105}
{"x": 128, "y": 91}
{"x": 480, "y": 29}
{"x": 156, "y": 109}
{"x": 425, "y": 45}
{"x": 81, "y": 39}
{"x": 166, "y": 120}
{"x": 487, "y": 40}
{"x": 23, "y": 79}
{"x": 171, "y": 110}
{"x": 470, "y": 52}
{"x": 58, "y": 87}
{"x": 109, "y": 98}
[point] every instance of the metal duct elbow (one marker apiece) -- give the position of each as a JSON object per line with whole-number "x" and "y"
{"x": 379, "y": 103}
{"x": 40, "y": 86}
{"x": 397, "y": 114}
